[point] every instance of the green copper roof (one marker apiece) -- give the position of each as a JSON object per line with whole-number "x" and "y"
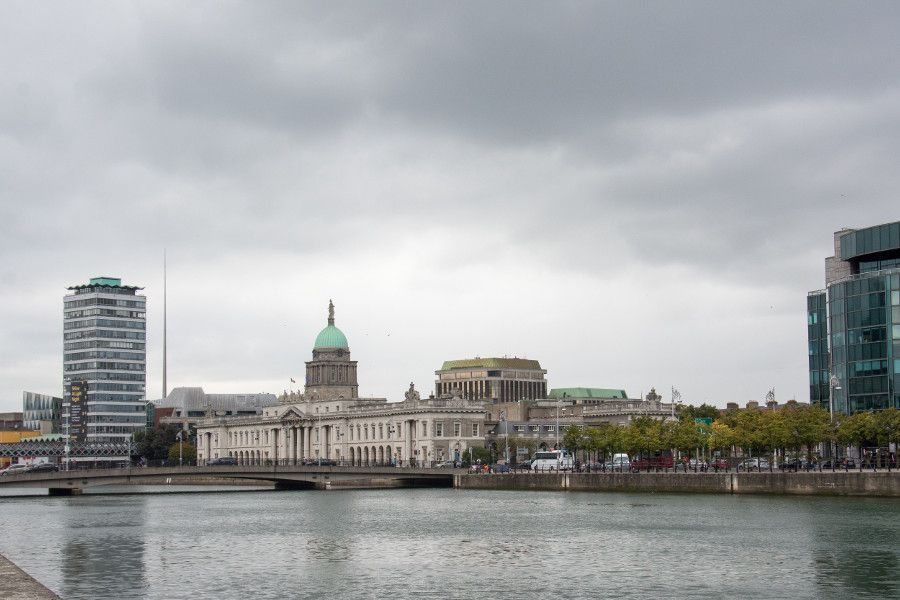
{"x": 492, "y": 363}
{"x": 580, "y": 392}
{"x": 106, "y": 281}
{"x": 331, "y": 337}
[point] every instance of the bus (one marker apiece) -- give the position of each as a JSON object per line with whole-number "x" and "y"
{"x": 552, "y": 460}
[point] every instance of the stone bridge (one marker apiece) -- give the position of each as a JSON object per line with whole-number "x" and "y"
{"x": 65, "y": 483}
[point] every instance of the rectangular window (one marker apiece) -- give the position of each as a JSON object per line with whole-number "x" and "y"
{"x": 424, "y": 428}
{"x": 457, "y": 429}
{"x": 551, "y": 428}
{"x": 475, "y": 430}
{"x": 439, "y": 429}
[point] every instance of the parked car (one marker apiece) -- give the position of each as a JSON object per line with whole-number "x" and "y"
{"x": 15, "y": 469}
{"x": 753, "y": 464}
{"x": 718, "y": 464}
{"x": 525, "y": 464}
{"x": 839, "y": 463}
{"x": 222, "y": 461}
{"x": 42, "y": 468}
{"x": 619, "y": 462}
{"x": 446, "y": 464}
{"x": 500, "y": 468}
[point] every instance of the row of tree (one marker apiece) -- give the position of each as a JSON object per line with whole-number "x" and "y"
{"x": 791, "y": 429}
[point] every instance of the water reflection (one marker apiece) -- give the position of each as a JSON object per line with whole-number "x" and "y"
{"x": 103, "y": 547}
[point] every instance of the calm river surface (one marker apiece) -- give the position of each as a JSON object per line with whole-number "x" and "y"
{"x": 444, "y": 543}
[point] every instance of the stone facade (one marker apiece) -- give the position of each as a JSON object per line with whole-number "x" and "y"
{"x": 329, "y": 421}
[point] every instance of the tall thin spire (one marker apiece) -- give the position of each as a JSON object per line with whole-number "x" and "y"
{"x": 165, "y": 389}
{"x": 330, "y": 312}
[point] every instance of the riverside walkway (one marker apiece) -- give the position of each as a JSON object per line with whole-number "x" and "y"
{"x": 16, "y": 584}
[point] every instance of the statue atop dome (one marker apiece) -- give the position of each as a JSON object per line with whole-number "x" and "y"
{"x": 330, "y": 312}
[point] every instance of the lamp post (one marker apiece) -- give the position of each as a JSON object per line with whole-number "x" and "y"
{"x": 178, "y": 436}
{"x": 505, "y": 435}
{"x": 390, "y": 433}
{"x": 834, "y": 383}
{"x": 557, "y": 422}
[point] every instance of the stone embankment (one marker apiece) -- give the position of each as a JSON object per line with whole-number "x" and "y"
{"x": 16, "y": 584}
{"x": 825, "y": 483}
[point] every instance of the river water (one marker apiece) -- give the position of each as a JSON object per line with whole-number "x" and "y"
{"x": 445, "y": 543}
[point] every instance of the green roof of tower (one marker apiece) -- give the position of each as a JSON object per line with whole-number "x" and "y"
{"x": 580, "y": 392}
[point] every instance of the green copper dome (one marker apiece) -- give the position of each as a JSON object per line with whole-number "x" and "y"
{"x": 331, "y": 336}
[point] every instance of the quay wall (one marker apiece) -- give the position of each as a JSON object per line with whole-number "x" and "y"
{"x": 826, "y": 483}
{"x": 16, "y": 583}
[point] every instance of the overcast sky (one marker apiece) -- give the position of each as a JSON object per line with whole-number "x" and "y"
{"x": 635, "y": 194}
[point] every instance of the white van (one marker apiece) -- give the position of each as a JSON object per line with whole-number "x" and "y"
{"x": 552, "y": 460}
{"x": 620, "y": 462}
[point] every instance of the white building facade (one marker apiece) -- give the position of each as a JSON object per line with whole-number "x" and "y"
{"x": 329, "y": 422}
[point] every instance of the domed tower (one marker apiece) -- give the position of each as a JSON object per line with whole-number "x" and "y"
{"x": 331, "y": 374}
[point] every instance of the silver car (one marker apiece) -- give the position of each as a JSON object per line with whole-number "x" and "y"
{"x": 15, "y": 469}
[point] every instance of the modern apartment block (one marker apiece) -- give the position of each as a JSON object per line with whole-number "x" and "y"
{"x": 104, "y": 361}
{"x": 854, "y": 323}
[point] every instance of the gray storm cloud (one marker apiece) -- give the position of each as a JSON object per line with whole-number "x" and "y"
{"x": 635, "y": 195}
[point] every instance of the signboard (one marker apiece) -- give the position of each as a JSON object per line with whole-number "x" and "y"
{"x": 78, "y": 410}
{"x": 703, "y": 421}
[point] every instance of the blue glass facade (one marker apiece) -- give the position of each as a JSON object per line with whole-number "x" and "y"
{"x": 817, "y": 333}
{"x": 854, "y": 362}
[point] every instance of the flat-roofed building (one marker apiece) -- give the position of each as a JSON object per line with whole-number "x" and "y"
{"x": 492, "y": 379}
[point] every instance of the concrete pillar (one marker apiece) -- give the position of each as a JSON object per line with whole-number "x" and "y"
{"x": 273, "y": 450}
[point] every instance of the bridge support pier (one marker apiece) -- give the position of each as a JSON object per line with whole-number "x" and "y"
{"x": 286, "y": 484}
{"x": 66, "y": 491}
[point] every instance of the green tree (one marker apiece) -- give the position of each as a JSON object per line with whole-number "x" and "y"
{"x": 686, "y": 436}
{"x": 886, "y": 426}
{"x": 721, "y": 437}
{"x": 154, "y": 443}
{"x": 805, "y": 426}
{"x": 643, "y": 434}
{"x": 857, "y": 429}
{"x": 689, "y": 412}
{"x": 605, "y": 439}
{"x": 188, "y": 453}
{"x": 574, "y": 439}
{"x": 478, "y": 453}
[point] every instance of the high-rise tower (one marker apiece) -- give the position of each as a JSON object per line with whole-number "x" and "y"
{"x": 104, "y": 361}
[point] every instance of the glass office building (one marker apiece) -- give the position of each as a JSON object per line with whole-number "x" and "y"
{"x": 859, "y": 367}
{"x": 104, "y": 359}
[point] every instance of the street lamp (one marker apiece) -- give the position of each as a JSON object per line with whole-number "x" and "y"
{"x": 505, "y": 435}
{"x": 834, "y": 383}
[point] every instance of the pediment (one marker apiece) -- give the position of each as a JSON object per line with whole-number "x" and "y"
{"x": 291, "y": 414}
